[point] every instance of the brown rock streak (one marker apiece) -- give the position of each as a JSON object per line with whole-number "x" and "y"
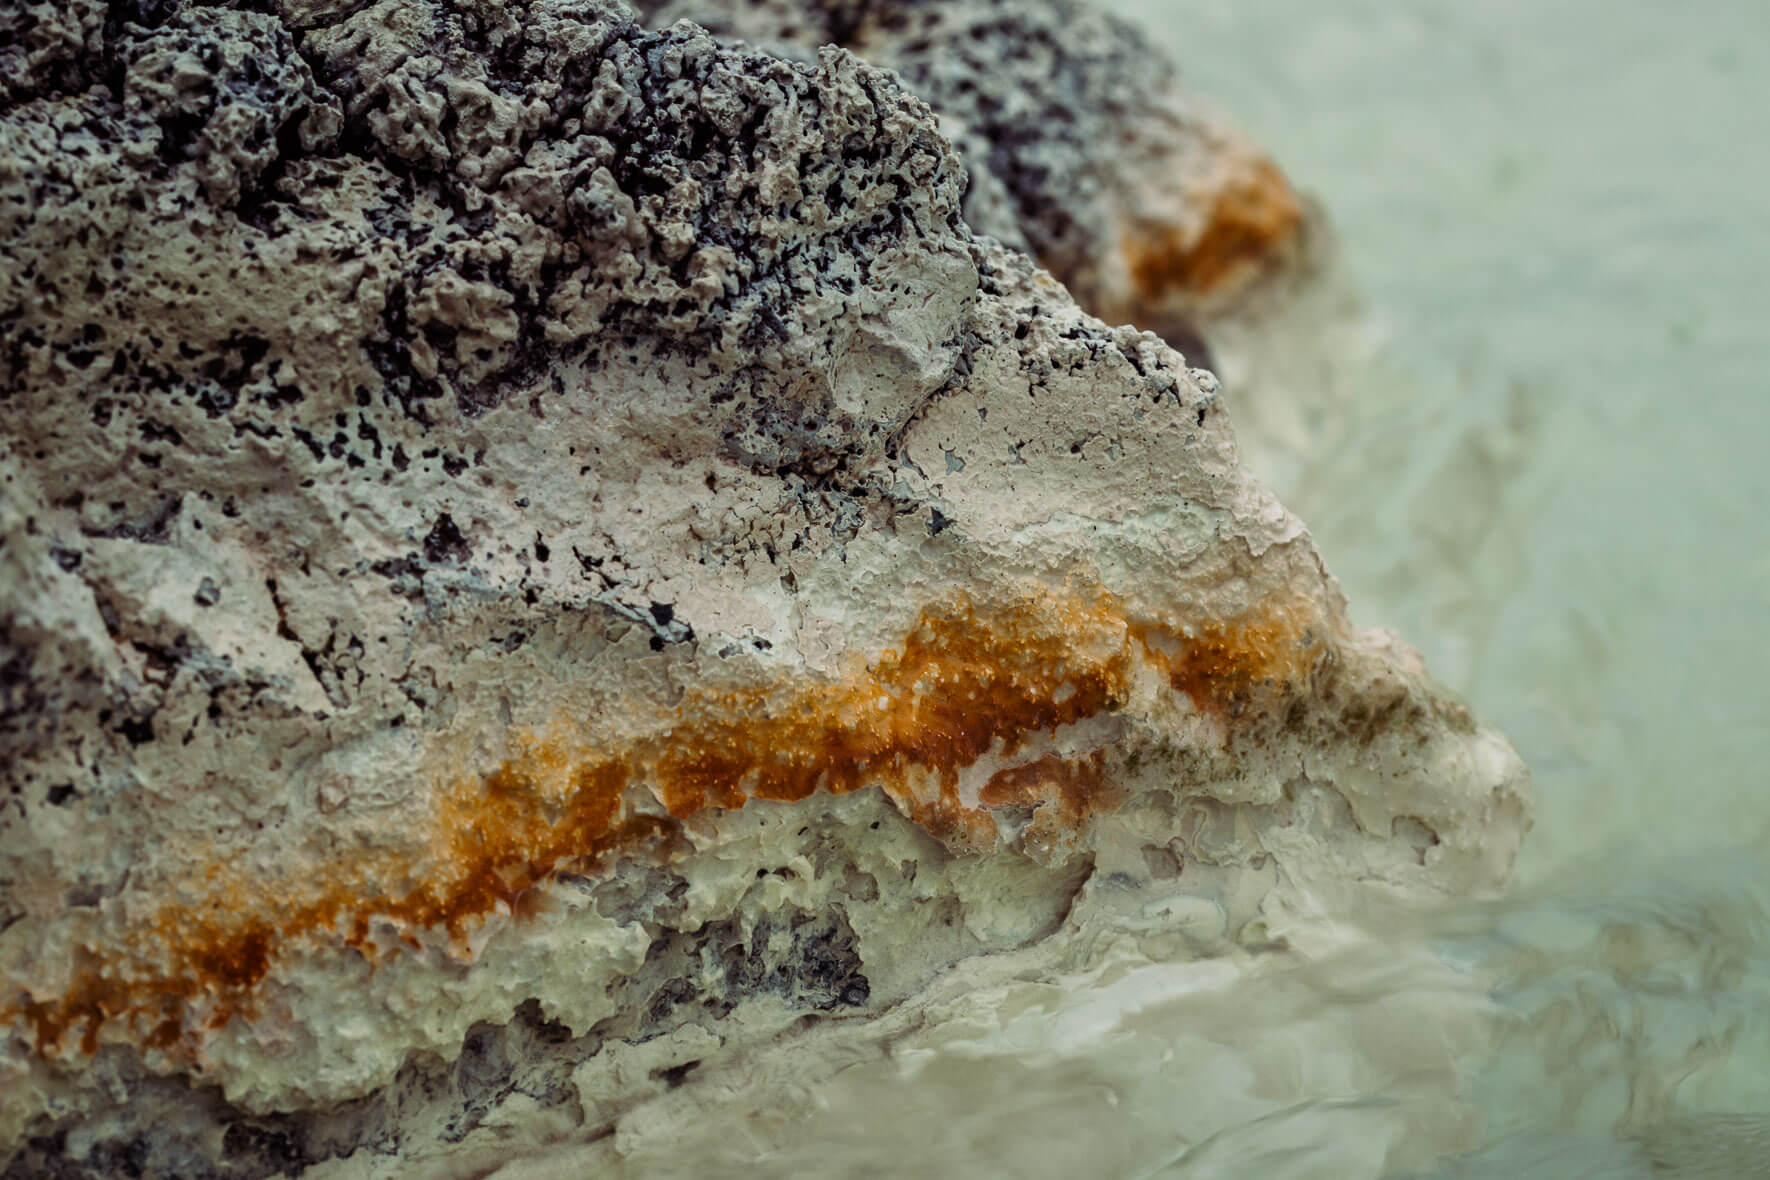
{"x": 967, "y": 681}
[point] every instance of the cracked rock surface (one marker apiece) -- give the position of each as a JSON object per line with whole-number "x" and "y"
{"x": 538, "y": 555}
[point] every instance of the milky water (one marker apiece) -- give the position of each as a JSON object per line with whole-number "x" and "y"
{"x": 1556, "y": 483}
{"x": 1560, "y": 213}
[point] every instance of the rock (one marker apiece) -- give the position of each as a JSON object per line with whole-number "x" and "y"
{"x": 540, "y": 556}
{"x": 1152, "y": 207}
{"x": 1079, "y": 144}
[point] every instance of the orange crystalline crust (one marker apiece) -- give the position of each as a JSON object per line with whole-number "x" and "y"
{"x": 966, "y": 682}
{"x": 1252, "y": 219}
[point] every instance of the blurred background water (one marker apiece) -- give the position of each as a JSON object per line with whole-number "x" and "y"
{"x": 1556, "y": 483}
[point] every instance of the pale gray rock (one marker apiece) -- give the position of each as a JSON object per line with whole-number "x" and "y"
{"x": 458, "y": 455}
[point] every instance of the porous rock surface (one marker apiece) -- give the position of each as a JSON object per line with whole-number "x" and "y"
{"x": 538, "y": 554}
{"x": 1082, "y": 146}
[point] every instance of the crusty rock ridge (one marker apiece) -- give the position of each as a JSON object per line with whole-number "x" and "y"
{"x": 537, "y": 553}
{"x": 1079, "y": 144}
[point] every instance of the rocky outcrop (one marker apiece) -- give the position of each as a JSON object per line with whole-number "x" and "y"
{"x": 539, "y": 554}
{"x": 1081, "y": 146}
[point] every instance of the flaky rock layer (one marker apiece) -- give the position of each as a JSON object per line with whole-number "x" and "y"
{"x": 539, "y": 553}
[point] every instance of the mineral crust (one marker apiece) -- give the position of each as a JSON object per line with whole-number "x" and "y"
{"x": 538, "y": 555}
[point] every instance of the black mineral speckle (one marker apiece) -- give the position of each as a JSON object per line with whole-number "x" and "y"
{"x": 445, "y": 544}
{"x": 344, "y": 270}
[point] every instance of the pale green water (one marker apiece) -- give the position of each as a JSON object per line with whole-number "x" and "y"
{"x": 1560, "y": 211}
{"x": 1558, "y": 487}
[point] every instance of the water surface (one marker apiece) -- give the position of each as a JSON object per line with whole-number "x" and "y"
{"x": 1554, "y": 481}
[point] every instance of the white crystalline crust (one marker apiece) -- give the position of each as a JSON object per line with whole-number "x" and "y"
{"x": 457, "y": 456}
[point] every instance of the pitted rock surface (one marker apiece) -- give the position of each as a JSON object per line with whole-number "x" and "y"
{"x": 1080, "y": 146}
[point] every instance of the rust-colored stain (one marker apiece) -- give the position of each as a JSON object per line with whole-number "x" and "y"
{"x": 1061, "y": 793}
{"x": 1252, "y": 219}
{"x": 1211, "y": 665}
{"x": 965, "y": 682}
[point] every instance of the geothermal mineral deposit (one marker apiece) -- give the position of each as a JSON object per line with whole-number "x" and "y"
{"x": 539, "y": 558}
{"x": 1081, "y": 147}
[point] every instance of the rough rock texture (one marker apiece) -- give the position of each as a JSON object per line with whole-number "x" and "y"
{"x": 539, "y": 554}
{"x": 1154, "y": 209}
{"x": 1079, "y": 145}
